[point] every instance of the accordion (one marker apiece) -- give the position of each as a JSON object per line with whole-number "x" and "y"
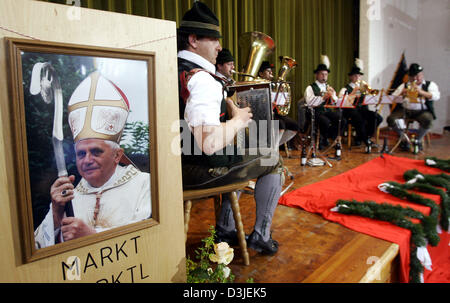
{"x": 260, "y": 134}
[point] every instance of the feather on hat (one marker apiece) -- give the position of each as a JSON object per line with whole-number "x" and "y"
{"x": 357, "y": 67}
{"x": 324, "y": 65}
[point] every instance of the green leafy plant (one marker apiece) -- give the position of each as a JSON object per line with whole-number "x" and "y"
{"x": 212, "y": 262}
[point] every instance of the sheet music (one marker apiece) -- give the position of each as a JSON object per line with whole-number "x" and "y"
{"x": 346, "y": 101}
{"x": 281, "y": 98}
{"x": 390, "y": 99}
{"x": 385, "y": 99}
{"x": 371, "y": 99}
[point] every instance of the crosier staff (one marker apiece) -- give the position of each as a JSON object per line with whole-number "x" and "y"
{"x": 45, "y": 81}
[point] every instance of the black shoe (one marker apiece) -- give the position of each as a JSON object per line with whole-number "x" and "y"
{"x": 256, "y": 242}
{"x": 226, "y": 236}
{"x": 230, "y": 237}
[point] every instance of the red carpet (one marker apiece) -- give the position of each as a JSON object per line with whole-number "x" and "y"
{"x": 361, "y": 184}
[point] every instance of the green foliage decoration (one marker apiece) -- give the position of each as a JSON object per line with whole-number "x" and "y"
{"x": 203, "y": 271}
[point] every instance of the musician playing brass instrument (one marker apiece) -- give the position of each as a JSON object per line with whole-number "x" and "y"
{"x": 418, "y": 98}
{"x": 327, "y": 119}
{"x": 286, "y": 123}
{"x": 225, "y": 69}
{"x": 362, "y": 119}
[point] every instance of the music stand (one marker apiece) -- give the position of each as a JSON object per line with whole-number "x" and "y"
{"x": 314, "y": 158}
{"x": 339, "y": 104}
{"x": 377, "y": 101}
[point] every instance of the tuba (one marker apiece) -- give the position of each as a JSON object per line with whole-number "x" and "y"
{"x": 365, "y": 88}
{"x": 258, "y": 45}
{"x": 283, "y": 94}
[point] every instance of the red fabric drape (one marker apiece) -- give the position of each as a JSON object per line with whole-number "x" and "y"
{"x": 361, "y": 184}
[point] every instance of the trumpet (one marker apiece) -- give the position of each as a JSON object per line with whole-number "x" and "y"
{"x": 365, "y": 88}
{"x": 411, "y": 91}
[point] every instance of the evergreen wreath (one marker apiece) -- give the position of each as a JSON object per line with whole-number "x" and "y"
{"x": 400, "y": 191}
{"x": 396, "y": 215}
{"x": 439, "y": 163}
{"x": 421, "y": 233}
{"x": 427, "y": 183}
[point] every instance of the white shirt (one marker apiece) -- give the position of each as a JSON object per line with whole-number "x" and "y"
{"x": 206, "y": 94}
{"x": 343, "y": 90}
{"x": 432, "y": 89}
{"x": 124, "y": 199}
{"x": 310, "y": 98}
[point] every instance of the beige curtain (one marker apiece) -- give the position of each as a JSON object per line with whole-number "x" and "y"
{"x": 301, "y": 29}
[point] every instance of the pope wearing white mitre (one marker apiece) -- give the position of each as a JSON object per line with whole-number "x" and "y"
{"x": 108, "y": 195}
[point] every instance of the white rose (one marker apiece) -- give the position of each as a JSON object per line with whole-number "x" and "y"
{"x": 226, "y": 272}
{"x": 223, "y": 253}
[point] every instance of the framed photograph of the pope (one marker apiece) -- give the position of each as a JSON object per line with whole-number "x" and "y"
{"x": 84, "y": 127}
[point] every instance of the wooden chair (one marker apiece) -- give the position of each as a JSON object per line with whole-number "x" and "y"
{"x": 191, "y": 196}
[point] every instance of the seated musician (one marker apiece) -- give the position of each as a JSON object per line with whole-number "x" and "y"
{"x": 418, "y": 97}
{"x": 326, "y": 119}
{"x": 362, "y": 118}
{"x": 225, "y": 68}
{"x": 210, "y": 129}
{"x": 288, "y": 126}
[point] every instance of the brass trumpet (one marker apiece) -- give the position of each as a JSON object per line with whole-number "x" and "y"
{"x": 365, "y": 88}
{"x": 411, "y": 91}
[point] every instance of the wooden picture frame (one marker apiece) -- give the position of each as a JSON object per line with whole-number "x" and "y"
{"x": 31, "y": 128}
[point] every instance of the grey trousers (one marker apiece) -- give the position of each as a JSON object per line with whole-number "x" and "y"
{"x": 267, "y": 192}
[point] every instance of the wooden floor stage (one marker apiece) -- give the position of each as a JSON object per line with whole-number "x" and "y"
{"x": 311, "y": 248}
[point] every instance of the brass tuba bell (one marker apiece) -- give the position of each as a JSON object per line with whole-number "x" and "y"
{"x": 258, "y": 45}
{"x": 283, "y": 91}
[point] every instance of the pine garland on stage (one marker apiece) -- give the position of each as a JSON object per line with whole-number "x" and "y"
{"x": 423, "y": 232}
{"x": 427, "y": 183}
{"x": 396, "y": 215}
{"x": 438, "y": 163}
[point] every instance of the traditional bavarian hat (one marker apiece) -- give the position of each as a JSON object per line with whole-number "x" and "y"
{"x": 224, "y": 56}
{"x": 324, "y": 64}
{"x": 98, "y": 109}
{"x": 357, "y": 67}
{"x": 414, "y": 69}
{"x": 265, "y": 65}
{"x": 200, "y": 20}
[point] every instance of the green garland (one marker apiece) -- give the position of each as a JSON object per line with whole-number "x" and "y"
{"x": 400, "y": 191}
{"x": 427, "y": 183}
{"x": 421, "y": 233}
{"x": 396, "y": 215}
{"x": 442, "y": 180}
{"x": 439, "y": 163}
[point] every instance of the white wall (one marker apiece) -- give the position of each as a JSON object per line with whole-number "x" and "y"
{"x": 434, "y": 53}
{"x": 417, "y": 27}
